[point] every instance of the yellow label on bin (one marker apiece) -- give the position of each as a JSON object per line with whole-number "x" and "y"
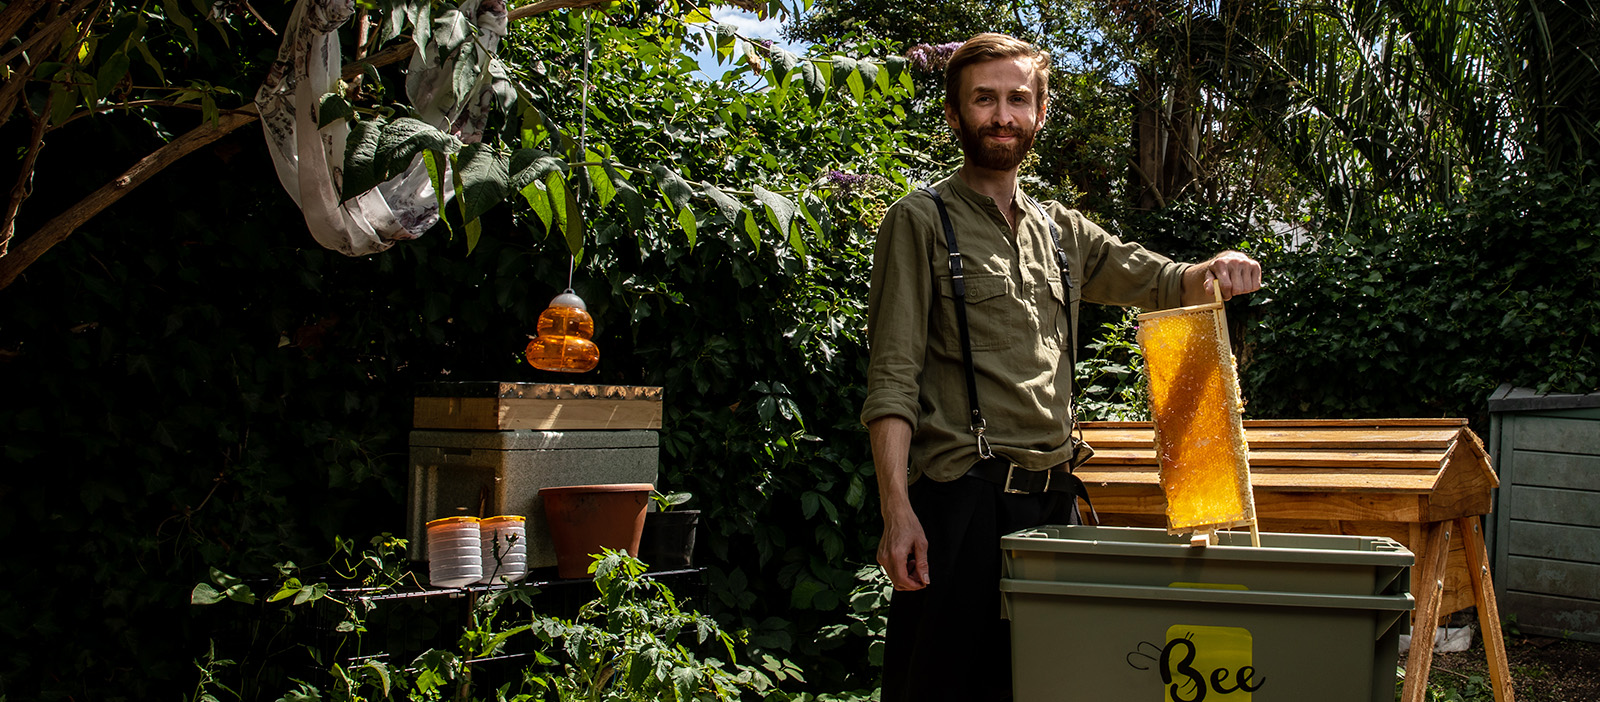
{"x": 1208, "y": 663}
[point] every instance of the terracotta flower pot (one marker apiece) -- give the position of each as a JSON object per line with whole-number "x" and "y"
{"x": 583, "y": 518}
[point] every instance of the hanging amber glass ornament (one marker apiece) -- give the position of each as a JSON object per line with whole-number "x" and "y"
{"x": 563, "y": 343}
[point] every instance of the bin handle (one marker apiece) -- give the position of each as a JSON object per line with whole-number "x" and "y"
{"x": 1401, "y": 602}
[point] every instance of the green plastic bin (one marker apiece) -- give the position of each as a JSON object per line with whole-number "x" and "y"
{"x": 1126, "y": 614}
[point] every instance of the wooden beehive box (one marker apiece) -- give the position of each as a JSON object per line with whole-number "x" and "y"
{"x": 497, "y": 406}
{"x": 1373, "y": 477}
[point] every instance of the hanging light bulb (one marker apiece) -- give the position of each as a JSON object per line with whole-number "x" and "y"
{"x": 563, "y": 343}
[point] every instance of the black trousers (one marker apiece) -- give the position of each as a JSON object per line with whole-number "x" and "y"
{"x": 947, "y": 640}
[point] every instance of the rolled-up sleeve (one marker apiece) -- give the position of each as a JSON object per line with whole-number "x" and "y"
{"x": 1124, "y": 273}
{"x": 897, "y": 314}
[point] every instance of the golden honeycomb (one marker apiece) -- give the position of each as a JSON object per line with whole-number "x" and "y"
{"x": 1199, "y": 430}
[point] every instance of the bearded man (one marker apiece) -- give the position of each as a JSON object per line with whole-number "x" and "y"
{"x": 972, "y": 325}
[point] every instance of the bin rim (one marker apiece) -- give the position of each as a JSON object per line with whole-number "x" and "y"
{"x": 1400, "y": 602}
{"x": 1388, "y": 553}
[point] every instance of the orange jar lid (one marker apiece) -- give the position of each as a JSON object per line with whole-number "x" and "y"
{"x": 452, "y": 520}
{"x": 517, "y": 518}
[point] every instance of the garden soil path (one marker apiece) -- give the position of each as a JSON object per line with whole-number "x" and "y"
{"x": 1542, "y": 670}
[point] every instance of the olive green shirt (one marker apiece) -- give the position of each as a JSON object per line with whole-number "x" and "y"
{"x": 1020, "y": 313}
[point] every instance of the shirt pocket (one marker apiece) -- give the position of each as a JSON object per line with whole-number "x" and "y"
{"x": 1064, "y": 299}
{"x": 994, "y": 315}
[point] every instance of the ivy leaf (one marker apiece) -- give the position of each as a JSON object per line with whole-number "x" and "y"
{"x": 672, "y": 186}
{"x": 532, "y": 165}
{"x": 726, "y": 204}
{"x": 780, "y": 211}
{"x": 360, "y": 156}
{"x": 752, "y": 231}
{"x": 333, "y": 107}
{"x": 485, "y": 179}
{"x": 816, "y": 85}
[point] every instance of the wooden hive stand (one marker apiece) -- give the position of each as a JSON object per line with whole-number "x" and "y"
{"x": 1425, "y": 483}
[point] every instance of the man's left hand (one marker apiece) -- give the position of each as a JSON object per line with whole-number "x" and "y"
{"x": 1234, "y": 272}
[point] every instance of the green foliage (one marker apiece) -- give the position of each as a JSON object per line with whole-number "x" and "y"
{"x": 1425, "y": 315}
{"x": 625, "y": 644}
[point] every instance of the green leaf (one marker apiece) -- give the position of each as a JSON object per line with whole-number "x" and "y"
{"x": 782, "y": 63}
{"x": 686, "y": 220}
{"x": 474, "y": 232}
{"x": 360, "y": 157}
{"x": 575, "y": 225}
{"x": 555, "y": 186}
{"x": 539, "y": 202}
{"x": 149, "y": 59}
{"x": 402, "y": 139}
{"x": 780, "y": 211}
{"x": 727, "y": 205}
{"x": 110, "y": 73}
{"x": 600, "y": 179}
{"x": 204, "y": 594}
{"x": 816, "y": 85}
{"x": 532, "y": 165}
{"x": 632, "y": 201}
{"x": 176, "y": 16}
{"x": 485, "y": 180}
{"x": 869, "y": 72}
{"x": 382, "y": 671}
{"x": 672, "y": 186}
{"x": 809, "y": 205}
{"x": 451, "y": 29}
{"x": 313, "y": 592}
{"x": 896, "y": 66}
{"x": 432, "y": 161}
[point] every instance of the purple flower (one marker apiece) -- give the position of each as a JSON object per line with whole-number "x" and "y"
{"x": 931, "y": 58}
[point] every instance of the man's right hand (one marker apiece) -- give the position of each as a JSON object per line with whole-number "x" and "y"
{"x": 903, "y": 551}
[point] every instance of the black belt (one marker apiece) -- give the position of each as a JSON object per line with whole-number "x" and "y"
{"x": 1016, "y": 480}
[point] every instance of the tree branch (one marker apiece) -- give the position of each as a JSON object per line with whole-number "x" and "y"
{"x": 24, "y": 186}
{"x": 63, "y": 225}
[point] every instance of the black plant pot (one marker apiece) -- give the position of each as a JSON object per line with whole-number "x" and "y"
{"x": 668, "y": 539}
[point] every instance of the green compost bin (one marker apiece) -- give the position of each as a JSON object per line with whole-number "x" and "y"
{"x": 1131, "y": 614}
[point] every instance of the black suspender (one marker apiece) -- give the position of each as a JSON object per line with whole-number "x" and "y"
{"x": 958, "y": 287}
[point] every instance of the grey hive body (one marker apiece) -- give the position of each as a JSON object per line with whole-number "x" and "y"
{"x": 456, "y": 473}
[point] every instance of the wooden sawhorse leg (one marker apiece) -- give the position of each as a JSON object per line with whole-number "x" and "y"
{"x": 1494, "y": 645}
{"x": 1434, "y": 554}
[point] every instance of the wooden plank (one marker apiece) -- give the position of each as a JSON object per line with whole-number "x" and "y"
{"x": 1559, "y": 541}
{"x": 1297, "y": 458}
{"x": 1372, "y": 507}
{"x": 1547, "y": 577}
{"x": 1371, "y": 480}
{"x": 1423, "y": 438}
{"x": 503, "y": 414}
{"x": 1559, "y": 470}
{"x": 1560, "y": 617}
{"x": 1575, "y": 507}
{"x": 1465, "y": 486}
{"x": 1558, "y": 435}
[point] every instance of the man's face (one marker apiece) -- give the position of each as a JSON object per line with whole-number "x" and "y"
{"x": 998, "y": 113}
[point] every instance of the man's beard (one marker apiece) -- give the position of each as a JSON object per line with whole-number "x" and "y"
{"x": 997, "y": 157}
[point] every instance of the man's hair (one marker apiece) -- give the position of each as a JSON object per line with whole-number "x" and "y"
{"x": 990, "y": 46}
